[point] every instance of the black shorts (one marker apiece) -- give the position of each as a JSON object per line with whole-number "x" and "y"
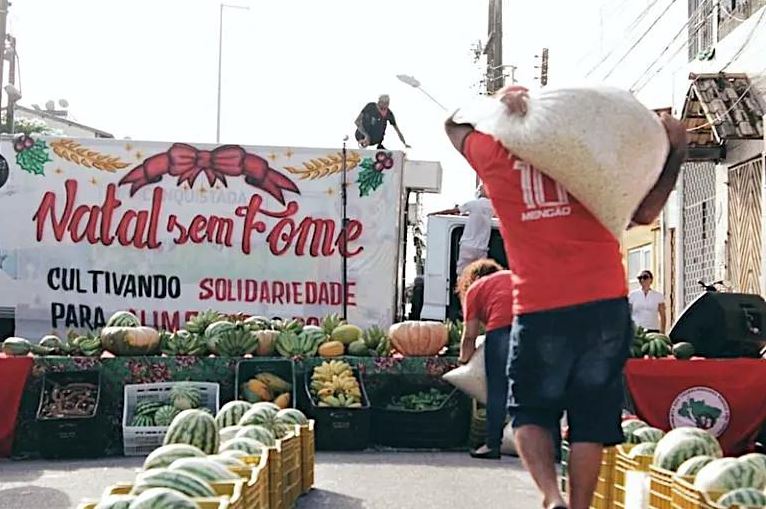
{"x": 571, "y": 360}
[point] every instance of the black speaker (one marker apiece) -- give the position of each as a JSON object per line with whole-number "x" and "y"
{"x": 723, "y": 325}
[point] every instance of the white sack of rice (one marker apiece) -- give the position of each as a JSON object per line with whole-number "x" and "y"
{"x": 600, "y": 143}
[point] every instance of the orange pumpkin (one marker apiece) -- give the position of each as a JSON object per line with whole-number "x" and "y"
{"x": 418, "y": 339}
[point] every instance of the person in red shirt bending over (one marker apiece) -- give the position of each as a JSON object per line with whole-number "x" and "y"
{"x": 485, "y": 292}
{"x": 572, "y": 331}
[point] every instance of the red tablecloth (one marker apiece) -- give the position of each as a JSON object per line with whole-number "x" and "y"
{"x": 725, "y": 396}
{"x": 13, "y": 377}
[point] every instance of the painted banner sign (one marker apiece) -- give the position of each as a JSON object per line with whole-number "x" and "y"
{"x": 88, "y": 227}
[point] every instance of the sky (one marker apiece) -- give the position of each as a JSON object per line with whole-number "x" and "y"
{"x": 295, "y": 72}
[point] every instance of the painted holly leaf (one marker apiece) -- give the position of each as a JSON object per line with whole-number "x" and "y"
{"x": 32, "y": 159}
{"x": 369, "y": 178}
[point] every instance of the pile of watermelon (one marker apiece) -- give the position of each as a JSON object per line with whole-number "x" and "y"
{"x": 696, "y": 455}
{"x": 200, "y": 449}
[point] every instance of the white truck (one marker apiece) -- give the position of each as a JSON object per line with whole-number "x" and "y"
{"x": 92, "y": 226}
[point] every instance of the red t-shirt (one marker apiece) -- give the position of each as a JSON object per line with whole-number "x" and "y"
{"x": 560, "y": 255}
{"x": 490, "y": 300}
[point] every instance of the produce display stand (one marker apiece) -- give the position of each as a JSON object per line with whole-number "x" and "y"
{"x": 117, "y": 372}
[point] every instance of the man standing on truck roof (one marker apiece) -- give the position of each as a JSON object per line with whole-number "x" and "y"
{"x": 372, "y": 122}
{"x": 572, "y": 331}
{"x": 474, "y": 243}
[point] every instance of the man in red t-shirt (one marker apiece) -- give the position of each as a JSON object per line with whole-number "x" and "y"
{"x": 572, "y": 331}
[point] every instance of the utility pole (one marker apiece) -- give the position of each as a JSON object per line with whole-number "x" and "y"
{"x": 543, "y": 68}
{"x": 494, "y": 48}
{"x": 3, "y": 27}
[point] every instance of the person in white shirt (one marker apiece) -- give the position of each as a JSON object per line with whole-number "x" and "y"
{"x": 474, "y": 244}
{"x": 648, "y": 306}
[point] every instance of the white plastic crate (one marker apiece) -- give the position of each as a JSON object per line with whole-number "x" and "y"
{"x": 141, "y": 440}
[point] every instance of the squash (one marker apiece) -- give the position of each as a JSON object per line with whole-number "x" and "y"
{"x": 418, "y": 339}
{"x": 283, "y": 401}
{"x": 130, "y": 340}
{"x": 16, "y": 347}
{"x": 266, "y": 342}
{"x": 331, "y": 349}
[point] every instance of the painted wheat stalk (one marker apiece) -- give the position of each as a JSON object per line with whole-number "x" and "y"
{"x": 323, "y": 166}
{"x": 83, "y": 156}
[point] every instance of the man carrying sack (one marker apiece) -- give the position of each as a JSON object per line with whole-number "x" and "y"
{"x": 572, "y": 330}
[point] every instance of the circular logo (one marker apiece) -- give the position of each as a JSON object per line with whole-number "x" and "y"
{"x": 3, "y": 171}
{"x": 701, "y": 407}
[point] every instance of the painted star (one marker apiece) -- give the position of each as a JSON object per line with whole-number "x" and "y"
{"x": 93, "y": 181}
{"x": 202, "y": 190}
{"x": 330, "y": 191}
{"x": 273, "y": 156}
{"x": 58, "y": 171}
{"x": 129, "y": 147}
{"x": 139, "y": 155}
{"x": 289, "y": 153}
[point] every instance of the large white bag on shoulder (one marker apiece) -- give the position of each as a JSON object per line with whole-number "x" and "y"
{"x": 600, "y": 143}
{"x": 471, "y": 377}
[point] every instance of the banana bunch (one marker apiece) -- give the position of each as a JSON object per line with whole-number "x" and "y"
{"x": 334, "y": 385}
{"x": 454, "y": 335}
{"x": 651, "y": 345}
{"x": 182, "y": 342}
{"x": 639, "y": 339}
{"x": 289, "y": 344}
{"x": 377, "y": 342}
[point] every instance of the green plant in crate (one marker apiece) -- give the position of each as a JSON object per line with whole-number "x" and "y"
{"x": 421, "y": 400}
{"x": 454, "y": 335}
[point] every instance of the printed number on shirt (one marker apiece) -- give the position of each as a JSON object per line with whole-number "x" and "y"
{"x": 543, "y": 197}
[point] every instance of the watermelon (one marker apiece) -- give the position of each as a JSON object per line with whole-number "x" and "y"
{"x": 292, "y": 416}
{"x": 683, "y": 351}
{"x": 755, "y": 458}
{"x": 262, "y": 414}
{"x": 629, "y": 426}
{"x": 744, "y": 498}
{"x": 692, "y": 466}
{"x": 167, "y": 454}
{"x": 227, "y": 461}
{"x": 183, "y": 482}
{"x": 194, "y": 427}
{"x": 123, "y": 319}
{"x": 165, "y": 415}
{"x": 228, "y": 433}
{"x": 163, "y": 498}
{"x": 185, "y": 396}
{"x": 648, "y": 434}
{"x": 147, "y": 407}
{"x": 259, "y": 433}
{"x": 248, "y": 445}
{"x": 672, "y": 451}
{"x": 204, "y": 468}
{"x": 234, "y": 453}
{"x": 142, "y": 421}
{"x": 728, "y": 474}
{"x": 231, "y": 413}
{"x": 115, "y": 502}
{"x": 644, "y": 449}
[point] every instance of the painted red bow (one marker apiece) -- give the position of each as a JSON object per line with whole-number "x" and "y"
{"x": 186, "y": 163}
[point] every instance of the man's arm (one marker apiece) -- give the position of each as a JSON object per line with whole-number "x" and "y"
{"x": 457, "y": 133}
{"x": 401, "y": 136}
{"x": 446, "y": 212}
{"x": 360, "y": 125}
{"x": 653, "y": 203}
{"x": 663, "y": 317}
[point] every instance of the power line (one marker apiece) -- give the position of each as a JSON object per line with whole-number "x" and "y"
{"x": 628, "y": 31}
{"x": 630, "y": 50}
{"x": 747, "y": 41}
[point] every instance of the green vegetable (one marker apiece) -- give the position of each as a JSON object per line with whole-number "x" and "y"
{"x": 423, "y": 400}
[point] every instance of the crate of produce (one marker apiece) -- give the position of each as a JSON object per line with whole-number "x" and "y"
{"x": 149, "y": 408}
{"x": 338, "y": 428}
{"x": 660, "y": 488}
{"x": 419, "y": 412}
{"x": 686, "y": 496}
{"x": 69, "y": 420}
{"x": 276, "y": 491}
{"x": 604, "y": 494}
{"x": 624, "y": 463}
{"x": 308, "y": 456}
{"x": 202, "y": 503}
{"x": 257, "y": 476}
{"x": 266, "y": 380}
{"x": 229, "y": 491}
{"x": 291, "y": 468}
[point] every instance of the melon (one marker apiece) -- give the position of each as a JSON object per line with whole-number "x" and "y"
{"x": 233, "y": 452}
{"x": 231, "y": 413}
{"x": 644, "y": 449}
{"x": 629, "y": 426}
{"x": 726, "y": 474}
{"x": 167, "y": 454}
{"x": 194, "y": 427}
{"x": 185, "y": 396}
{"x": 261, "y": 414}
{"x": 678, "y": 446}
{"x": 188, "y": 484}
{"x": 204, "y": 468}
{"x": 248, "y": 445}
{"x": 683, "y": 351}
{"x": 346, "y": 334}
{"x": 259, "y": 433}
{"x": 115, "y": 502}
{"x": 648, "y": 435}
{"x": 692, "y": 466}
{"x": 292, "y": 416}
{"x": 123, "y": 319}
{"x": 743, "y": 498}
{"x": 755, "y": 458}
{"x": 228, "y": 433}
{"x": 163, "y": 498}
{"x": 227, "y": 461}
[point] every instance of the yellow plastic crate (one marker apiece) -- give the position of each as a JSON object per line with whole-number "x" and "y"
{"x": 257, "y": 481}
{"x": 686, "y": 496}
{"x": 602, "y": 497}
{"x": 276, "y": 496}
{"x": 203, "y": 503}
{"x": 291, "y": 469}
{"x": 624, "y": 464}
{"x": 308, "y": 456}
{"x": 230, "y": 495}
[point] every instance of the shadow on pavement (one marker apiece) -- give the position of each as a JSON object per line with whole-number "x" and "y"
{"x": 461, "y": 460}
{"x": 34, "y": 496}
{"x": 328, "y": 499}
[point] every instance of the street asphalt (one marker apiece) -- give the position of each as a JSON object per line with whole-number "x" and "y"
{"x": 343, "y": 481}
